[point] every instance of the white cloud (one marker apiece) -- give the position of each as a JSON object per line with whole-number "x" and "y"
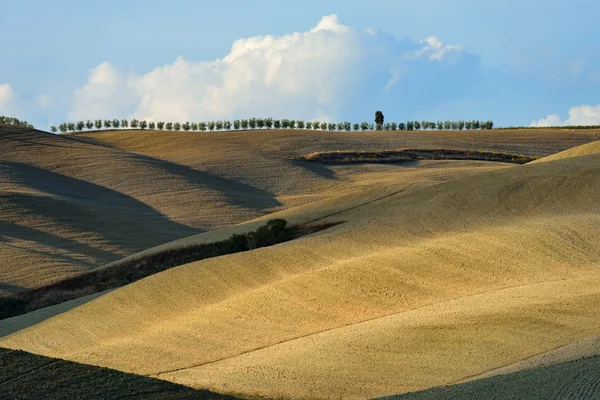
{"x": 579, "y": 115}
{"x": 105, "y": 95}
{"x": 434, "y": 49}
{"x": 299, "y": 75}
{"x": 7, "y": 100}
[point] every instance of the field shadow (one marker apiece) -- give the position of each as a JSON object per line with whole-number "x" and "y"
{"x": 320, "y": 170}
{"x": 120, "y": 220}
{"x": 11, "y": 230}
{"x": 238, "y": 193}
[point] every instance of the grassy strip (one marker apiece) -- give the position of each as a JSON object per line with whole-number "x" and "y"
{"x": 29, "y": 376}
{"x": 98, "y": 280}
{"x": 403, "y": 155}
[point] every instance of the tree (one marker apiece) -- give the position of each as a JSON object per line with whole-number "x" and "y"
{"x": 134, "y": 123}
{"x": 116, "y": 123}
{"x": 219, "y": 125}
{"x": 143, "y": 124}
{"x": 447, "y": 125}
{"x": 71, "y": 126}
{"x": 53, "y": 129}
{"x": 151, "y": 125}
{"x": 379, "y": 119}
{"x": 316, "y": 125}
{"x": 417, "y": 125}
{"x": 107, "y": 123}
{"x": 194, "y": 126}
{"x": 98, "y": 124}
{"x": 475, "y": 124}
{"x": 401, "y": 126}
{"x": 63, "y": 128}
{"x": 269, "y": 123}
{"x": 244, "y": 124}
{"x": 89, "y": 124}
{"x": 356, "y": 127}
{"x": 160, "y": 125}
{"x": 124, "y": 123}
{"x": 410, "y": 125}
{"x": 252, "y": 123}
{"x": 460, "y": 125}
{"x": 177, "y": 126}
{"x": 277, "y": 124}
{"x": 227, "y": 125}
{"x": 309, "y": 125}
{"x": 169, "y": 126}
{"x": 80, "y": 126}
{"x": 394, "y": 126}
{"x": 202, "y": 126}
{"x": 489, "y": 125}
{"x": 300, "y": 124}
{"x": 291, "y": 124}
{"x": 364, "y": 126}
{"x": 468, "y": 125}
{"x": 340, "y": 126}
{"x": 211, "y": 126}
{"x": 236, "y": 124}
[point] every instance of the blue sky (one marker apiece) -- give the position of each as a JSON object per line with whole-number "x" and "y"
{"x": 514, "y": 62}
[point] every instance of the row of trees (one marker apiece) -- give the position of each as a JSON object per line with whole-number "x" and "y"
{"x": 14, "y": 121}
{"x": 267, "y": 123}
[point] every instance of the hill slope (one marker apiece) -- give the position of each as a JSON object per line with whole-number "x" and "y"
{"x": 71, "y": 203}
{"x": 421, "y": 286}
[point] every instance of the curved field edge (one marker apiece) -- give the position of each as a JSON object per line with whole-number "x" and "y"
{"x": 29, "y": 376}
{"x": 578, "y": 379}
{"x": 103, "y": 279}
{"x": 403, "y": 155}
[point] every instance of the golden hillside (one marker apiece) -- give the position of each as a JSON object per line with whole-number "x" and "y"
{"x": 440, "y": 272}
{"x": 71, "y": 203}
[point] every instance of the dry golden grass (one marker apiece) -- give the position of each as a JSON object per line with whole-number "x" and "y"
{"x": 430, "y": 280}
{"x": 71, "y": 203}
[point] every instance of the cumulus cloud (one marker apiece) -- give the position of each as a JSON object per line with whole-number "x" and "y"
{"x": 105, "y": 95}
{"x": 7, "y": 99}
{"x": 579, "y": 115}
{"x": 312, "y": 74}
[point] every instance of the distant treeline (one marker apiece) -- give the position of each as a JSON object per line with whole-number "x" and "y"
{"x": 14, "y": 121}
{"x": 267, "y": 123}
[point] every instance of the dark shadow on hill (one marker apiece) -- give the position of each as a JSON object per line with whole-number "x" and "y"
{"x": 316, "y": 169}
{"x": 9, "y": 287}
{"x": 578, "y": 379}
{"x": 120, "y": 220}
{"x": 29, "y": 376}
{"x": 11, "y": 230}
{"x": 238, "y": 193}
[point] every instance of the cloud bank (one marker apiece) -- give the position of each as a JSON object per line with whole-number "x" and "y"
{"x": 317, "y": 74}
{"x": 580, "y": 115}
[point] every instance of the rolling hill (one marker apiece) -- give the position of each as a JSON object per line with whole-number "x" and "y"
{"x": 73, "y": 203}
{"x": 440, "y": 271}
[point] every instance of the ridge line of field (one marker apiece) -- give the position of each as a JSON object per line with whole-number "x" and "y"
{"x": 365, "y": 321}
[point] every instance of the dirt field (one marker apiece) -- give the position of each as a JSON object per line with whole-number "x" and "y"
{"x": 441, "y": 271}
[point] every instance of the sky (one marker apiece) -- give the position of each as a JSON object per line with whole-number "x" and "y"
{"x": 517, "y": 63}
